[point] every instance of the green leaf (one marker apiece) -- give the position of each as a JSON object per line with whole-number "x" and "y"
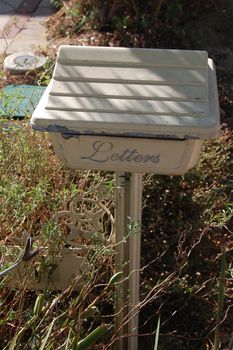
{"x": 89, "y": 312}
{"x": 92, "y": 338}
{"x": 38, "y": 304}
{"x": 115, "y": 278}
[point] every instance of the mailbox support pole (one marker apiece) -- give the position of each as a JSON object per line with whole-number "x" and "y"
{"x": 128, "y": 242}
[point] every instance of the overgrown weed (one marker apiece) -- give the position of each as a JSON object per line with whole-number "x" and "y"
{"x": 190, "y": 223}
{"x": 186, "y": 221}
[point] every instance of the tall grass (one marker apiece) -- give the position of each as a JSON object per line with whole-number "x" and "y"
{"x": 186, "y": 220}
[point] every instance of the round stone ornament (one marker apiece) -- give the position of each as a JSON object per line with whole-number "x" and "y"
{"x": 22, "y": 62}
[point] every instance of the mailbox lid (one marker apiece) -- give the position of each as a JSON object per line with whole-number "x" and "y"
{"x": 130, "y": 92}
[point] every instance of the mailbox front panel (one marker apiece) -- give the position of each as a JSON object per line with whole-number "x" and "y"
{"x": 169, "y": 157}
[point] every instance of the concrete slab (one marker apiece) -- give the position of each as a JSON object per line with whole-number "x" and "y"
{"x": 4, "y": 45}
{"x": 22, "y": 29}
{"x": 26, "y": 44}
{"x": 4, "y": 19}
{"x": 13, "y": 26}
{"x": 34, "y": 25}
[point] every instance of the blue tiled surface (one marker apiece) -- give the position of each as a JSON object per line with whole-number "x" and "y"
{"x": 19, "y": 101}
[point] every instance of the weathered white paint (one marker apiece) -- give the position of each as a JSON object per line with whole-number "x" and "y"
{"x": 169, "y": 157}
{"x": 129, "y": 74}
{"x": 130, "y": 92}
{"x": 118, "y": 56}
{"x": 127, "y": 91}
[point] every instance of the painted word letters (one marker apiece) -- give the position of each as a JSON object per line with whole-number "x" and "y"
{"x": 103, "y": 152}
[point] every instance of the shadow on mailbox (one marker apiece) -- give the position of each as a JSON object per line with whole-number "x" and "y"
{"x": 137, "y": 110}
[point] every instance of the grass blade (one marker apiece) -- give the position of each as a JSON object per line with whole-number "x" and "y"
{"x": 157, "y": 334}
{"x": 44, "y": 341}
{"x": 13, "y": 342}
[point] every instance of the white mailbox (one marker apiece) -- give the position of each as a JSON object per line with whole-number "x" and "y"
{"x": 130, "y": 111}
{"x": 136, "y": 110}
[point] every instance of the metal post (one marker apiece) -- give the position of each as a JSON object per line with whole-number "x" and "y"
{"x": 128, "y": 241}
{"x": 134, "y": 257}
{"x": 121, "y": 302}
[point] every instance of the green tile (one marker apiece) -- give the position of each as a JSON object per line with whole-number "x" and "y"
{"x": 19, "y": 101}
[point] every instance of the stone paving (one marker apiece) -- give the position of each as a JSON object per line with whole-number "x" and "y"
{"x": 21, "y": 25}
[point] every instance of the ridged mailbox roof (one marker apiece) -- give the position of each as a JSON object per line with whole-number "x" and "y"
{"x": 130, "y": 92}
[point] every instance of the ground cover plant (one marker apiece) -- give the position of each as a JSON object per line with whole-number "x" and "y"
{"x": 187, "y": 271}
